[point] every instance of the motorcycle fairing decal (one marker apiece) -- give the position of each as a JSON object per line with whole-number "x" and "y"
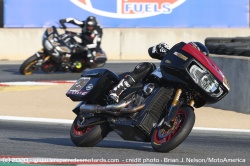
{"x": 63, "y": 48}
{"x": 168, "y": 61}
{"x": 180, "y": 55}
{"x": 56, "y": 44}
{"x": 56, "y": 53}
{"x": 89, "y": 87}
{"x": 50, "y": 30}
{"x": 50, "y": 37}
{"x": 133, "y": 9}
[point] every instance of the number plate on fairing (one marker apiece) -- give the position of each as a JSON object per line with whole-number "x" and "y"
{"x": 82, "y": 87}
{"x": 93, "y": 85}
{"x": 79, "y": 84}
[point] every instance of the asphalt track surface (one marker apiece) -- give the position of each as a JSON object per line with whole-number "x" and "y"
{"x": 51, "y": 140}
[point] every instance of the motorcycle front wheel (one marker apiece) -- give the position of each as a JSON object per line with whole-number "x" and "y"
{"x": 87, "y": 136}
{"x": 165, "y": 139}
{"x": 29, "y": 66}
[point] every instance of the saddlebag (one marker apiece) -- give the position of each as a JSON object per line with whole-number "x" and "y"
{"x": 92, "y": 85}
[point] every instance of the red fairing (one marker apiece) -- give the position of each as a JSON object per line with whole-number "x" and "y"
{"x": 206, "y": 61}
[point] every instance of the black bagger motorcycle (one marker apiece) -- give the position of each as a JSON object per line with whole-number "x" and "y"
{"x": 56, "y": 55}
{"x": 159, "y": 109}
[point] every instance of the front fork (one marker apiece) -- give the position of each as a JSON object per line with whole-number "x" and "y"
{"x": 173, "y": 109}
{"x": 40, "y": 54}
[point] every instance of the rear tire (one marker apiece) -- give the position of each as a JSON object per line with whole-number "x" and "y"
{"x": 29, "y": 66}
{"x": 163, "y": 140}
{"x": 88, "y": 136}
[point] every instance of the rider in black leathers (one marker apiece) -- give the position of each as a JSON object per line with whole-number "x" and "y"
{"x": 91, "y": 36}
{"x": 144, "y": 69}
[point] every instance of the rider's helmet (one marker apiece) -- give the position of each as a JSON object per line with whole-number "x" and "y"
{"x": 90, "y": 24}
{"x": 201, "y": 47}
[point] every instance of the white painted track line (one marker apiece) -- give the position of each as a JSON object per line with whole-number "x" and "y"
{"x": 65, "y": 121}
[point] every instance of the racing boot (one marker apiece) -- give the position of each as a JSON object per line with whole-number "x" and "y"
{"x": 91, "y": 58}
{"x": 65, "y": 61}
{"x": 124, "y": 84}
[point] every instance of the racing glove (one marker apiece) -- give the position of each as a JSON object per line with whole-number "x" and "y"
{"x": 162, "y": 48}
{"x": 62, "y": 21}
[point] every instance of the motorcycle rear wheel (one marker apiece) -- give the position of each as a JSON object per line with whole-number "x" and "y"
{"x": 166, "y": 139}
{"x": 28, "y": 67}
{"x": 88, "y": 136}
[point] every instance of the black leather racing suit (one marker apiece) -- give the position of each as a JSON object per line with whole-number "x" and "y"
{"x": 92, "y": 40}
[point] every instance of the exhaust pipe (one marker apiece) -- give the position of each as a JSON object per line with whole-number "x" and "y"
{"x": 114, "y": 109}
{"x": 132, "y": 110}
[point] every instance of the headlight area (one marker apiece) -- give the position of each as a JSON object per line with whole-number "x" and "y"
{"x": 205, "y": 80}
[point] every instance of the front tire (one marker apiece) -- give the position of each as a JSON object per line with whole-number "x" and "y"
{"x": 165, "y": 139}
{"x": 88, "y": 136}
{"x": 29, "y": 66}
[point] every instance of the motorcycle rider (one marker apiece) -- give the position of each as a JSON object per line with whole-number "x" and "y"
{"x": 91, "y": 36}
{"x": 144, "y": 69}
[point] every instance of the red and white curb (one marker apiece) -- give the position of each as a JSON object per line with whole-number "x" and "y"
{"x": 34, "y": 83}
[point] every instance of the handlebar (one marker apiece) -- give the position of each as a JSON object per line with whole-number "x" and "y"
{"x": 64, "y": 27}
